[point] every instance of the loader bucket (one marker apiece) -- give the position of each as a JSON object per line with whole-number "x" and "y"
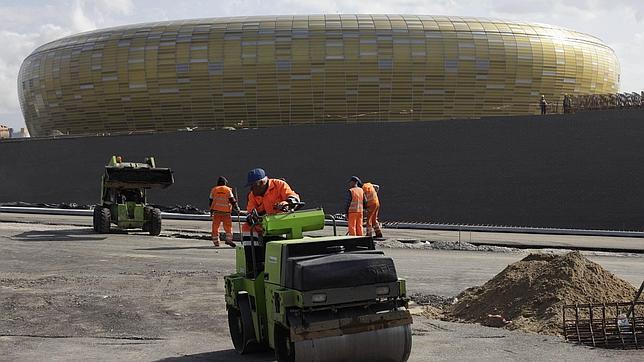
{"x": 138, "y": 177}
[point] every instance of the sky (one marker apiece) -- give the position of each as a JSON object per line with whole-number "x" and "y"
{"x": 27, "y": 24}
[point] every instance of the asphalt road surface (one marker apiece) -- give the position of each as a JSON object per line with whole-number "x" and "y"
{"x": 69, "y": 294}
{"x": 515, "y": 240}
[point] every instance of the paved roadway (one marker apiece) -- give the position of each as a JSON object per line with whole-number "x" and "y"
{"x": 516, "y": 240}
{"x": 69, "y": 294}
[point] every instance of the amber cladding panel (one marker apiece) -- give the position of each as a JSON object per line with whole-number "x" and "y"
{"x": 276, "y": 70}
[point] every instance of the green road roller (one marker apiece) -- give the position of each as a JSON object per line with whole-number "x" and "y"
{"x": 330, "y": 298}
{"x": 124, "y": 188}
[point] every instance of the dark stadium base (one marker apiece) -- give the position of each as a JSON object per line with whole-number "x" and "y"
{"x": 569, "y": 171}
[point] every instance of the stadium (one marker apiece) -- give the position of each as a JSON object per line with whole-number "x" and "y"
{"x": 284, "y": 70}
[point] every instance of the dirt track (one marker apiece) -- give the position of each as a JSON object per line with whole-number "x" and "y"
{"x": 69, "y": 294}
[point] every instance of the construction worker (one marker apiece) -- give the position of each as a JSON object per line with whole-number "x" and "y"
{"x": 355, "y": 204}
{"x": 543, "y": 104}
{"x": 373, "y": 207}
{"x": 222, "y": 202}
{"x": 267, "y": 196}
{"x": 567, "y": 104}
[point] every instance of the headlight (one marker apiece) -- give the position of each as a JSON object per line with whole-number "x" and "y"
{"x": 382, "y": 290}
{"x": 319, "y": 298}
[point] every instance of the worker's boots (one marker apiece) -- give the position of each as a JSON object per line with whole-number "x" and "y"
{"x": 215, "y": 242}
{"x": 378, "y": 231}
{"x": 229, "y": 241}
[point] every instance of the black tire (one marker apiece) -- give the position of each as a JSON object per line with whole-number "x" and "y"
{"x": 284, "y": 347}
{"x": 147, "y": 211}
{"x": 104, "y": 221}
{"x": 155, "y": 222}
{"x": 96, "y": 216}
{"x": 242, "y": 330}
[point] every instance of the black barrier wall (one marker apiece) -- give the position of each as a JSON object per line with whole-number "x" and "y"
{"x": 573, "y": 171}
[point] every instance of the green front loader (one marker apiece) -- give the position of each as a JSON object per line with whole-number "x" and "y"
{"x": 332, "y": 298}
{"x": 124, "y": 187}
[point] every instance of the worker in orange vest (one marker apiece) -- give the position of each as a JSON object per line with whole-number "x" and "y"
{"x": 268, "y": 196}
{"x": 222, "y": 202}
{"x": 355, "y": 203}
{"x": 373, "y": 207}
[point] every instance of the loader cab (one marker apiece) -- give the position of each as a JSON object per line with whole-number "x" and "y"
{"x": 136, "y": 196}
{"x": 124, "y": 195}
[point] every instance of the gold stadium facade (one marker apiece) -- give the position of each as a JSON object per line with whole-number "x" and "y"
{"x": 281, "y": 70}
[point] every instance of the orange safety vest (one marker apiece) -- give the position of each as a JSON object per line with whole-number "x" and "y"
{"x": 370, "y": 194}
{"x": 357, "y": 199}
{"x": 277, "y": 191}
{"x": 221, "y": 196}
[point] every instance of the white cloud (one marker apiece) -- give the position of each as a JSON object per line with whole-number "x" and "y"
{"x": 80, "y": 20}
{"x": 119, "y": 7}
{"x": 21, "y": 44}
{"x": 26, "y": 24}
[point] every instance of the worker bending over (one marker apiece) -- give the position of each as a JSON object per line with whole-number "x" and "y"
{"x": 373, "y": 207}
{"x": 355, "y": 203}
{"x": 268, "y": 196}
{"x": 222, "y": 202}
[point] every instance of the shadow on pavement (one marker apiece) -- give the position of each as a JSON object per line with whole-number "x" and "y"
{"x": 227, "y": 355}
{"x": 59, "y": 235}
{"x": 205, "y": 247}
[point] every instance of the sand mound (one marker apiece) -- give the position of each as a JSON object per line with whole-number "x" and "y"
{"x": 532, "y": 292}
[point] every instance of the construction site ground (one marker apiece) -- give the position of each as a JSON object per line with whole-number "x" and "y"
{"x": 67, "y": 293}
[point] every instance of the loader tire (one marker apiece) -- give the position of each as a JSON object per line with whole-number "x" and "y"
{"x": 155, "y": 222}
{"x": 104, "y": 221}
{"x": 147, "y": 211}
{"x": 242, "y": 329}
{"x": 96, "y": 216}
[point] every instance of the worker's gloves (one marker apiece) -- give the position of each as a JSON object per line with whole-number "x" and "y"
{"x": 283, "y": 206}
{"x": 291, "y": 204}
{"x": 253, "y": 218}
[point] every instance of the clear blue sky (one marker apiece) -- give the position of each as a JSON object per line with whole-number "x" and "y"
{"x": 26, "y": 24}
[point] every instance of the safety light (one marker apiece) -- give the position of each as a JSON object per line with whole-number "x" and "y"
{"x": 319, "y": 298}
{"x": 384, "y": 290}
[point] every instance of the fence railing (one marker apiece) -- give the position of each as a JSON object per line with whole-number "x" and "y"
{"x": 594, "y": 102}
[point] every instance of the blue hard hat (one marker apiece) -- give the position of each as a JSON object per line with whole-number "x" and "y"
{"x": 356, "y": 179}
{"x": 255, "y": 175}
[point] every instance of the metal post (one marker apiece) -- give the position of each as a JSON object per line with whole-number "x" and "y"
{"x": 335, "y": 231}
{"x": 619, "y": 329}
{"x": 604, "y": 324}
{"x": 637, "y": 296}
{"x": 592, "y": 332}
{"x": 577, "y": 322}
{"x": 239, "y": 224}
{"x": 252, "y": 252}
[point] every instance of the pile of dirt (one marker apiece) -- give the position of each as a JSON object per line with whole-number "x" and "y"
{"x": 532, "y": 292}
{"x": 439, "y": 245}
